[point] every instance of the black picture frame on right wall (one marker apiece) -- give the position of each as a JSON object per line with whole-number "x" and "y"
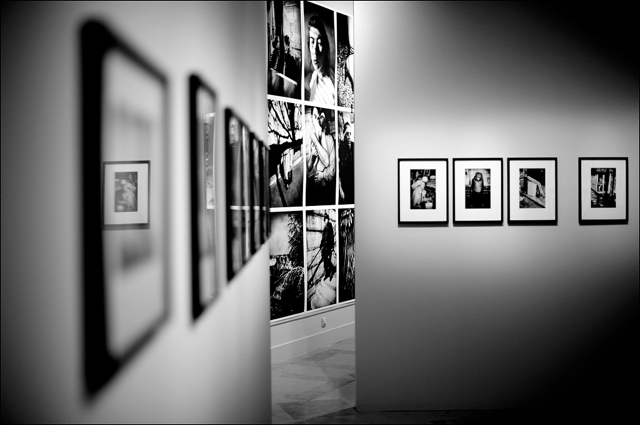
{"x": 532, "y": 191}
{"x": 603, "y": 190}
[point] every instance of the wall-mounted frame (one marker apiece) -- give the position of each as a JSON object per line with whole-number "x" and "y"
{"x": 202, "y": 132}
{"x": 603, "y": 194}
{"x": 477, "y": 190}
{"x": 423, "y": 190}
{"x": 255, "y": 193}
{"x": 532, "y": 190}
{"x": 124, "y": 116}
{"x": 247, "y": 216}
{"x": 233, "y": 160}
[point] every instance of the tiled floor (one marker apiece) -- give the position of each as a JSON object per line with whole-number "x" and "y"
{"x": 320, "y": 387}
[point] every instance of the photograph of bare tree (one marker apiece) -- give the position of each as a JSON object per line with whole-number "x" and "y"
{"x": 286, "y": 172}
{"x": 286, "y": 266}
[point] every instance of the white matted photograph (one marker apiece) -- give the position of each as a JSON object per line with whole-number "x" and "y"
{"x": 423, "y": 190}
{"x": 532, "y": 190}
{"x": 477, "y": 190}
{"x": 603, "y": 190}
{"x": 126, "y": 194}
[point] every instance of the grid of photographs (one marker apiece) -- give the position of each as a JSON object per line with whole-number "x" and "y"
{"x": 310, "y": 86}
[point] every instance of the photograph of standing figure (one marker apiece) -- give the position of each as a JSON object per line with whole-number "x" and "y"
{"x": 319, "y": 80}
{"x": 320, "y": 150}
{"x": 321, "y": 258}
{"x": 345, "y": 155}
{"x": 478, "y": 188}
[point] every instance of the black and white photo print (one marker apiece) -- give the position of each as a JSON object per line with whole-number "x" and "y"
{"x": 322, "y": 258}
{"x": 320, "y": 150}
{"x": 286, "y": 265}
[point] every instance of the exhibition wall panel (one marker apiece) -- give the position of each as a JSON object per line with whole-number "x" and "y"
{"x": 499, "y": 316}
{"x": 204, "y": 370}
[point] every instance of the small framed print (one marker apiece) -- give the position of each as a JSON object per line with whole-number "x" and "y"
{"x": 125, "y": 195}
{"x": 477, "y": 190}
{"x": 603, "y": 194}
{"x": 423, "y": 194}
{"x": 233, "y": 159}
{"x": 202, "y": 123}
{"x": 125, "y": 226}
{"x": 532, "y": 190}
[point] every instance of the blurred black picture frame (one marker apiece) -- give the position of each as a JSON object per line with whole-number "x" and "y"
{"x": 532, "y": 190}
{"x": 256, "y": 198}
{"x": 603, "y": 190}
{"x": 234, "y": 196}
{"x": 423, "y": 190}
{"x": 483, "y": 206}
{"x": 202, "y": 136}
{"x": 124, "y": 120}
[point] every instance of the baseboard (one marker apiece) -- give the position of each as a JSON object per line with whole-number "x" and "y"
{"x": 302, "y": 346}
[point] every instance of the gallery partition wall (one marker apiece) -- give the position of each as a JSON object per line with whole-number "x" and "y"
{"x": 498, "y": 314}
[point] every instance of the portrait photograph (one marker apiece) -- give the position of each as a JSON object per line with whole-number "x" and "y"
{"x": 477, "y": 190}
{"x": 346, "y": 254}
{"x": 286, "y": 264}
{"x": 322, "y": 258}
{"x": 286, "y": 166}
{"x": 319, "y": 67}
{"x": 603, "y": 192}
{"x": 345, "y": 158}
{"x": 423, "y": 190}
{"x": 284, "y": 50}
{"x": 532, "y": 190}
{"x": 320, "y": 151}
{"x": 346, "y": 61}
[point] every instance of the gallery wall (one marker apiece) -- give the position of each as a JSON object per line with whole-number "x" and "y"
{"x": 208, "y": 370}
{"x": 494, "y": 316}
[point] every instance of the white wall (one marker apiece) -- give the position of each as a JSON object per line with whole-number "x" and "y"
{"x": 302, "y": 334}
{"x": 490, "y": 317}
{"x": 214, "y": 370}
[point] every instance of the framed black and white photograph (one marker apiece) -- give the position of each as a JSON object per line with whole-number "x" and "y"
{"x": 255, "y": 193}
{"x": 346, "y": 186}
{"x": 267, "y": 192}
{"x": 423, "y": 190}
{"x": 322, "y": 258}
{"x": 320, "y": 151}
{"x": 477, "y": 190}
{"x": 320, "y": 54}
{"x": 247, "y": 214}
{"x": 346, "y": 254}
{"x": 126, "y": 195}
{"x": 532, "y": 190}
{"x": 233, "y": 156}
{"x": 284, "y": 50}
{"x": 346, "y": 61}
{"x": 286, "y": 268}
{"x": 202, "y": 131}
{"x": 603, "y": 194}
{"x": 124, "y": 177}
{"x": 286, "y": 167}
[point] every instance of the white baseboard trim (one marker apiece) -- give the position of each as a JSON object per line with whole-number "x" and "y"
{"x": 302, "y": 346}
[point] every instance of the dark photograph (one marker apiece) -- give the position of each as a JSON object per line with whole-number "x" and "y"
{"x": 286, "y": 265}
{"x": 286, "y": 168}
{"x": 344, "y": 68}
{"x": 532, "y": 188}
{"x": 423, "y": 189}
{"x": 345, "y": 155}
{"x": 284, "y": 49}
{"x": 477, "y": 188}
{"x": 320, "y": 149}
{"x": 234, "y": 195}
{"x": 603, "y": 188}
{"x": 126, "y": 191}
{"x": 255, "y": 193}
{"x": 319, "y": 80}
{"x": 321, "y": 258}
{"x": 347, "y": 255}
{"x": 247, "y": 229}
